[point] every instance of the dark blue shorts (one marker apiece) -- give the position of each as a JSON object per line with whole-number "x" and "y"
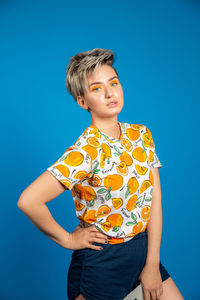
{"x": 111, "y": 273}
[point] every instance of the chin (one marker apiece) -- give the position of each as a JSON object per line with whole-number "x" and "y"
{"x": 115, "y": 112}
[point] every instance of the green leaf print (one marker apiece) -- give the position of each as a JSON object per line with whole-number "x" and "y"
{"x": 78, "y": 144}
{"x": 117, "y": 154}
{"x": 105, "y": 135}
{"x": 95, "y": 166}
{"x": 131, "y": 223}
{"x": 96, "y": 171}
{"x": 134, "y": 217}
{"x": 145, "y": 149}
{"x": 102, "y": 190}
{"x": 127, "y": 193}
{"x": 116, "y": 228}
{"x": 148, "y": 199}
{"x": 151, "y": 192}
{"x": 98, "y": 228}
{"x": 139, "y": 200}
{"x": 108, "y": 196}
{"x": 91, "y": 202}
{"x": 116, "y": 149}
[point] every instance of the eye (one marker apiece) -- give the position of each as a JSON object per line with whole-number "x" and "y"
{"x": 114, "y": 82}
{"x": 94, "y": 88}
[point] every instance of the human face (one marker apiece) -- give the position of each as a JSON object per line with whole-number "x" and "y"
{"x": 103, "y": 87}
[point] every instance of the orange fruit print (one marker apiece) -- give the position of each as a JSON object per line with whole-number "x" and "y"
{"x": 111, "y": 179}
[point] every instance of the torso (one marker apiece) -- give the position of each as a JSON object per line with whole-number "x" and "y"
{"x": 117, "y": 196}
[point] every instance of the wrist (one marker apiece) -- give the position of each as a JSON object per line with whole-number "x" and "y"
{"x": 153, "y": 262}
{"x": 67, "y": 241}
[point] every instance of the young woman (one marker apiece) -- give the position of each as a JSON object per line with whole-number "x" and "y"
{"x": 112, "y": 171}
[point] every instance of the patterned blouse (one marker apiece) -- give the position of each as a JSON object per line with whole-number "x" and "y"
{"x": 111, "y": 179}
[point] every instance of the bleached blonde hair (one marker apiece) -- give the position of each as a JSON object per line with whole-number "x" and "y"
{"x": 83, "y": 63}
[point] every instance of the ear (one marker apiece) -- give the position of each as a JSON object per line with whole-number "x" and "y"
{"x": 81, "y": 102}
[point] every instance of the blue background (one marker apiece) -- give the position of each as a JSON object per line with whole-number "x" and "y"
{"x": 157, "y": 50}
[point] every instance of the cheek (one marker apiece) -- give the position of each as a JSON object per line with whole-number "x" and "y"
{"x": 121, "y": 90}
{"x": 96, "y": 101}
{"x": 99, "y": 99}
{"x": 120, "y": 93}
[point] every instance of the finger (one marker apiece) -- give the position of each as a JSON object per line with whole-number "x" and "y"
{"x": 161, "y": 290}
{"x": 146, "y": 295}
{"x": 98, "y": 238}
{"x": 101, "y": 240}
{"x": 99, "y": 248}
{"x": 103, "y": 236}
{"x": 99, "y": 234}
{"x": 158, "y": 295}
{"x": 153, "y": 295}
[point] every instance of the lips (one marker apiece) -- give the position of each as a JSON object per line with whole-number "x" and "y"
{"x": 113, "y": 101}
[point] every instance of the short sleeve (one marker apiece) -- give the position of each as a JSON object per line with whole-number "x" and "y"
{"x": 153, "y": 159}
{"x": 72, "y": 167}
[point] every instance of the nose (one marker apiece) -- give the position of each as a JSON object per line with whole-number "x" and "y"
{"x": 108, "y": 91}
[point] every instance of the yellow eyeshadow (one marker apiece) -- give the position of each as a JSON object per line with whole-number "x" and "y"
{"x": 94, "y": 87}
{"x": 98, "y": 86}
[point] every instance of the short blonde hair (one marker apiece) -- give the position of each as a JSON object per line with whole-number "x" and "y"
{"x": 81, "y": 64}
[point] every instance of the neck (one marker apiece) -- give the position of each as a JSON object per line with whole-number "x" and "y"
{"x": 111, "y": 128}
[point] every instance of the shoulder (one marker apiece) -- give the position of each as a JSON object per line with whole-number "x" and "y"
{"x": 90, "y": 137}
{"x": 135, "y": 126}
{"x": 142, "y": 132}
{"x": 142, "y": 128}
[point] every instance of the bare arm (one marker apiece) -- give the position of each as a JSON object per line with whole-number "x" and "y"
{"x": 150, "y": 276}
{"x": 33, "y": 203}
{"x": 154, "y": 227}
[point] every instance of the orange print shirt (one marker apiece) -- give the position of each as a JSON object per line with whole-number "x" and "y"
{"x": 111, "y": 179}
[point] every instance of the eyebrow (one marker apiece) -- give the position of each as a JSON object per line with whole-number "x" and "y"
{"x": 97, "y": 82}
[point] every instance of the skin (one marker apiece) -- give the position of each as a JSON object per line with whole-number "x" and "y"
{"x": 46, "y": 187}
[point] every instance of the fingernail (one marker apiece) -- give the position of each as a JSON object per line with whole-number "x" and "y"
{"x": 100, "y": 248}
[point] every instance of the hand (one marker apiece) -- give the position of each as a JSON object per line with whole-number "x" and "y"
{"x": 82, "y": 238}
{"x": 151, "y": 280}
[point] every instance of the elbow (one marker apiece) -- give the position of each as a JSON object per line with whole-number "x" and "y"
{"x": 23, "y": 203}
{"x": 20, "y": 203}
